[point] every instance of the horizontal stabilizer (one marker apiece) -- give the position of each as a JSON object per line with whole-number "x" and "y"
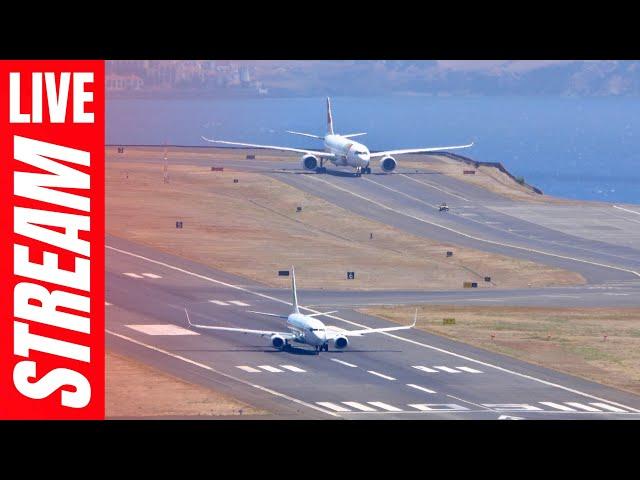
{"x": 305, "y": 134}
{"x": 351, "y": 135}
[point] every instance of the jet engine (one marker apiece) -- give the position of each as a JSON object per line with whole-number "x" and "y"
{"x": 309, "y": 162}
{"x": 277, "y": 341}
{"x": 341, "y": 342}
{"x": 388, "y": 164}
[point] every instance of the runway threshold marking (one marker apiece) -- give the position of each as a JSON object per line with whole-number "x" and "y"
{"x": 403, "y": 339}
{"x": 271, "y": 369}
{"x": 447, "y": 369}
{"x": 558, "y": 406}
{"x": 425, "y": 369}
{"x": 467, "y": 235}
{"x": 226, "y": 375}
{"x": 469, "y": 369}
{"x": 360, "y": 406}
{"x": 582, "y": 406}
{"x": 247, "y": 368}
{"x": 293, "y": 368}
{"x": 385, "y": 406}
{"x": 333, "y": 406}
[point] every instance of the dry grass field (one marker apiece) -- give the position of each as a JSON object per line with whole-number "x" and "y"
{"x": 137, "y": 390}
{"x": 252, "y": 228}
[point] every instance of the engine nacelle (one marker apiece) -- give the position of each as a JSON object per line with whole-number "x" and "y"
{"x": 277, "y": 341}
{"x": 388, "y": 164}
{"x": 341, "y": 342}
{"x": 309, "y": 162}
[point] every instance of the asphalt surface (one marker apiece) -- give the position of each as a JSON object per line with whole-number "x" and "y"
{"x": 376, "y": 376}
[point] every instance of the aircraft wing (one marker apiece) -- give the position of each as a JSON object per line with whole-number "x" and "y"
{"x": 333, "y": 332}
{"x": 262, "y": 333}
{"x": 418, "y": 150}
{"x": 273, "y": 147}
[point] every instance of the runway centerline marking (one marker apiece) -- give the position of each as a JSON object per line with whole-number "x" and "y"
{"x": 408, "y": 340}
{"x": 381, "y": 375}
{"x": 240, "y": 304}
{"x": 473, "y": 237}
{"x": 226, "y": 375}
{"x": 418, "y": 387}
{"x": 151, "y": 275}
{"x": 133, "y": 275}
{"x": 343, "y": 363}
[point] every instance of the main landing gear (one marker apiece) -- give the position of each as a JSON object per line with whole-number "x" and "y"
{"x": 321, "y": 168}
{"x": 361, "y": 170}
{"x": 321, "y": 348}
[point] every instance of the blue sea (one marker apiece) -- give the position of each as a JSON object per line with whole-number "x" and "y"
{"x": 581, "y": 148}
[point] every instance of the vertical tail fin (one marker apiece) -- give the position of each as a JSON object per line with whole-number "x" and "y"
{"x": 294, "y": 293}
{"x": 329, "y": 118}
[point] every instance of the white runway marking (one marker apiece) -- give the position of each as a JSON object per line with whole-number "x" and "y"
{"x": 344, "y": 363}
{"x": 133, "y": 275}
{"x": 240, "y": 304}
{"x": 467, "y": 235}
{"x": 222, "y": 374}
{"x": 608, "y": 407}
{"x": 360, "y": 406}
{"x": 626, "y": 210}
{"x": 512, "y": 407}
{"x": 162, "y": 329}
{"x": 333, "y": 406}
{"x": 469, "y": 369}
{"x": 151, "y": 275}
{"x": 107, "y": 304}
{"x": 269, "y": 368}
{"x": 425, "y": 369}
{"x": 381, "y": 375}
{"x": 433, "y": 186}
{"x": 447, "y": 369}
{"x": 293, "y": 368}
{"x": 385, "y": 406}
{"x": 218, "y": 302}
{"x": 418, "y": 387}
{"x": 443, "y": 407}
{"x": 558, "y": 406}
{"x": 581, "y": 406}
{"x": 390, "y": 335}
{"x": 247, "y": 368}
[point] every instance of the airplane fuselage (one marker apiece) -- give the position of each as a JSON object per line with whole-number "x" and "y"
{"x": 348, "y": 153}
{"x": 307, "y": 329}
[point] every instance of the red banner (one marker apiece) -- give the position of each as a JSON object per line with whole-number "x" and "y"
{"x": 52, "y": 239}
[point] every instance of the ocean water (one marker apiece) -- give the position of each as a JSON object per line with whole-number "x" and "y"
{"x": 582, "y": 148}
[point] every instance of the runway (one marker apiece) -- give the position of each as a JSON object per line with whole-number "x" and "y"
{"x": 411, "y": 374}
{"x": 600, "y": 241}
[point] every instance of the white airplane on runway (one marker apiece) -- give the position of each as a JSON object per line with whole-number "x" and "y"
{"x": 305, "y": 328}
{"x": 341, "y": 150}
